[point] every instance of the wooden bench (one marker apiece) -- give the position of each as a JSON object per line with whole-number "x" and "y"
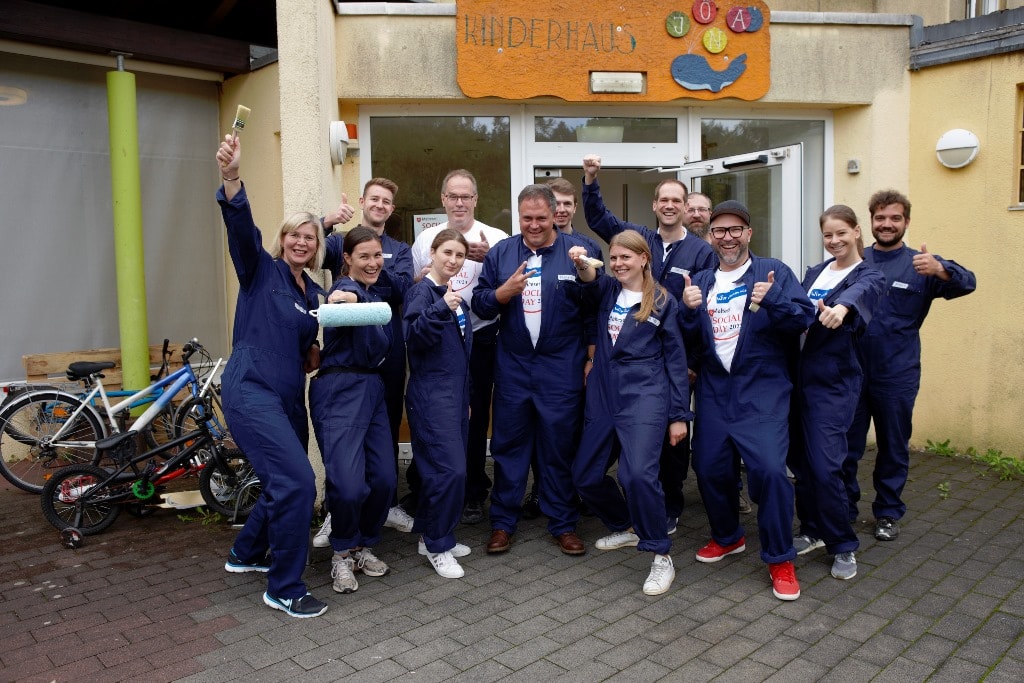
{"x": 50, "y": 368}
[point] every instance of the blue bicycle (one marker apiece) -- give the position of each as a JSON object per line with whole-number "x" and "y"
{"x": 43, "y": 430}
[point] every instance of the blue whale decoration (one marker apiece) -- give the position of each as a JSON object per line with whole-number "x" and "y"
{"x": 693, "y": 72}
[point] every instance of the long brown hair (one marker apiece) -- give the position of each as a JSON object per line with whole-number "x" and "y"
{"x": 653, "y": 295}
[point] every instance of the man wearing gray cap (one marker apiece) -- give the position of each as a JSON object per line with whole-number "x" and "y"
{"x": 743, "y": 323}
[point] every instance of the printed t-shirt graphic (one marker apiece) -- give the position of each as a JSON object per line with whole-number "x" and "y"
{"x": 826, "y": 282}
{"x": 532, "y": 304}
{"x": 620, "y": 310}
{"x": 727, "y": 302}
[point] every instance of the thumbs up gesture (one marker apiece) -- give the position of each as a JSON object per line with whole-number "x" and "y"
{"x": 760, "y": 291}
{"x": 926, "y": 264}
{"x": 343, "y": 214}
{"x": 477, "y": 250}
{"x": 831, "y": 317}
{"x": 452, "y": 298}
{"x": 692, "y": 295}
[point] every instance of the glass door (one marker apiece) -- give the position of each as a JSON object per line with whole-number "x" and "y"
{"x": 769, "y": 182}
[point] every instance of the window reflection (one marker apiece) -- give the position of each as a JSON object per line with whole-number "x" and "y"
{"x": 603, "y": 129}
{"x": 417, "y": 152}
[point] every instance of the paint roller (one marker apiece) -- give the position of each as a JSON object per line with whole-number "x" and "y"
{"x": 353, "y": 315}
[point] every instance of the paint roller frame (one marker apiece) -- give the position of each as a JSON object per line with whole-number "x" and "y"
{"x": 353, "y": 314}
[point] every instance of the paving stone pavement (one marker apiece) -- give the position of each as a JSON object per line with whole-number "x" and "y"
{"x": 148, "y": 600}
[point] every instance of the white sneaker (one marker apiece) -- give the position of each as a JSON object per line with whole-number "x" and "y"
{"x": 620, "y": 539}
{"x": 341, "y": 572}
{"x": 458, "y": 550}
{"x": 323, "y": 537}
{"x": 368, "y": 563}
{"x": 399, "y": 519}
{"x": 446, "y": 565}
{"x": 663, "y": 572}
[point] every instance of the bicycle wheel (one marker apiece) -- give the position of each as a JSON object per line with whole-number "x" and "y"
{"x": 187, "y": 419}
{"x": 233, "y": 483}
{"x": 160, "y": 430}
{"x": 27, "y": 456}
{"x": 62, "y": 504}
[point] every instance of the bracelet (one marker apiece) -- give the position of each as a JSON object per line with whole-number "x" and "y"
{"x": 590, "y": 360}
{"x": 228, "y": 180}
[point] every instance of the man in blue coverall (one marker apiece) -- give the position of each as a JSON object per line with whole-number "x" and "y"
{"x": 742, "y": 324}
{"x": 676, "y": 253}
{"x": 890, "y": 353}
{"x": 530, "y": 281}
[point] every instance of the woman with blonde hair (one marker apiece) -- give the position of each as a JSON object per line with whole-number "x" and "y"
{"x": 636, "y": 393}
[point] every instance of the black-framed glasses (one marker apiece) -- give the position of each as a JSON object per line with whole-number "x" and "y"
{"x": 456, "y": 198}
{"x": 733, "y": 230}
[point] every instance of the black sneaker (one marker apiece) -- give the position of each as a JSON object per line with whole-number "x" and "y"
{"x": 236, "y": 566}
{"x": 531, "y": 506}
{"x": 301, "y": 608}
{"x": 473, "y": 513}
{"x": 887, "y": 529}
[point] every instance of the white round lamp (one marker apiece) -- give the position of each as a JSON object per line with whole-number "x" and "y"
{"x": 957, "y": 148}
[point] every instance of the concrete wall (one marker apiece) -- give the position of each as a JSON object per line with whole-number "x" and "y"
{"x": 973, "y": 386}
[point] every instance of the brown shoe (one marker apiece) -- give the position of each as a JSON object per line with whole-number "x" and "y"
{"x": 570, "y": 543}
{"x": 500, "y": 542}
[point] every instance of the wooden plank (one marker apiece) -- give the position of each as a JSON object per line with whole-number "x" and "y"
{"x": 43, "y": 367}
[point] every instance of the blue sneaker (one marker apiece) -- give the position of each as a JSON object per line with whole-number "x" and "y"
{"x": 301, "y": 608}
{"x": 236, "y": 566}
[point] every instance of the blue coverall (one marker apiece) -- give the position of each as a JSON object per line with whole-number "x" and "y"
{"x": 637, "y": 387}
{"x": 346, "y": 402}
{"x": 745, "y": 411}
{"x": 685, "y": 257}
{"x": 537, "y": 391}
{"x": 398, "y": 264}
{"x": 264, "y": 399}
{"x": 828, "y": 383}
{"x": 891, "y": 356}
{"x": 437, "y": 401}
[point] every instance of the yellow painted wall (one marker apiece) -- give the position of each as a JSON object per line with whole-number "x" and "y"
{"x": 973, "y": 386}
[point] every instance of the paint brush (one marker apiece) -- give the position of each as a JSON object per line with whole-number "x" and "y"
{"x": 240, "y": 117}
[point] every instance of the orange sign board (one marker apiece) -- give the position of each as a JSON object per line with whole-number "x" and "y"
{"x": 657, "y": 51}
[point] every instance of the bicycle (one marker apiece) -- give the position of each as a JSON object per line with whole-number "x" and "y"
{"x": 85, "y": 499}
{"x": 47, "y": 429}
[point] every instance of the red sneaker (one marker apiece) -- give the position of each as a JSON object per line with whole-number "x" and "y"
{"x": 713, "y": 552}
{"x": 784, "y": 583}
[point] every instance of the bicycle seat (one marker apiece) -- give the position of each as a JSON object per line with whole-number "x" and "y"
{"x": 81, "y": 369}
{"x": 114, "y": 440}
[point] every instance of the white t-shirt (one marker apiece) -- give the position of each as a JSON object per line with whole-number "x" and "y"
{"x": 625, "y": 301}
{"x": 826, "y": 281}
{"x": 532, "y": 300}
{"x": 465, "y": 280}
{"x": 726, "y": 306}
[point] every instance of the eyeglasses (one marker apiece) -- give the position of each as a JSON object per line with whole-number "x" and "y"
{"x": 456, "y": 198}
{"x": 733, "y": 230}
{"x": 698, "y": 209}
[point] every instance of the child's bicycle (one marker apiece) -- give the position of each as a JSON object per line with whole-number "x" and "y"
{"x": 43, "y": 430}
{"x": 84, "y": 499}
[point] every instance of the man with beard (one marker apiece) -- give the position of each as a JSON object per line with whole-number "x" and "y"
{"x": 697, "y": 217}
{"x": 742, "y": 353}
{"x": 890, "y": 352}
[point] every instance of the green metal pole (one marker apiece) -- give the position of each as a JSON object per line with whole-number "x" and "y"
{"x": 128, "y": 244}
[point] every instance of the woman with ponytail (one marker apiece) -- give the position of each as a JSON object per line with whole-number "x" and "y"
{"x": 636, "y": 393}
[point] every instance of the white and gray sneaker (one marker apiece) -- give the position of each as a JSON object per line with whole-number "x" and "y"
{"x": 446, "y": 565}
{"x": 323, "y": 537}
{"x": 368, "y": 563}
{"x": 804, "y": 544}
{"x": 458, "y": 550}
{"x": 399, "y": 519}
{"x": 619, "y": 539}
{"x": 663, "y": 572}
{"x": 844, "y": 566}
{"x": 341, "y": 572}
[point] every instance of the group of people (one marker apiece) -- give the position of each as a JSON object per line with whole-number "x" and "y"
{"x": 582, "y": 365}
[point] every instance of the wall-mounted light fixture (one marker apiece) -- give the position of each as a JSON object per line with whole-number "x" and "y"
{"x": 616, "y": 82}
{"x": 957, "y": 148}
{"x": 338, "y": 140}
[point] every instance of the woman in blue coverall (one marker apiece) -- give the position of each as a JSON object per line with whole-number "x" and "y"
{"x": 439, "y": 341}
{"x": 844, "y": 290}
{"x": 264, "y": 382}
{"x": 346, "y": 401}
{"x": 636, "y": 392}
